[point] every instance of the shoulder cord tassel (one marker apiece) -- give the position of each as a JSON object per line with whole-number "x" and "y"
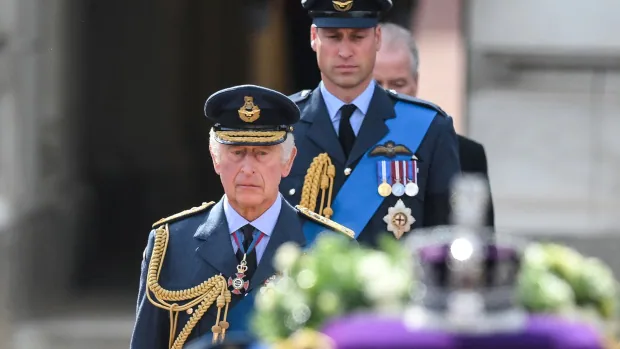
{"x": 320, "y": 175}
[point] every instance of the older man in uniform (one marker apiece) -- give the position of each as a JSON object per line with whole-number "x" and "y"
{"x": 397, "y": 68}
{"x": 374, "y": 160}
{"x": 202, "y": 266}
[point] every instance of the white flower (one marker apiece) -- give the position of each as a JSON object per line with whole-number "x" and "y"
{"x": 382, "y": 281}
{"x": 266, "y": 301}
{"x": 286, "y": 256}
{"x": 372, "y": 266}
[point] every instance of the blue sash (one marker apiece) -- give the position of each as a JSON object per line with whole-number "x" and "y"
{"x": 358, "y": 199}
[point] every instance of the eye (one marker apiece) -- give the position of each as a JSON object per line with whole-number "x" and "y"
{"x": 238, "y": 153}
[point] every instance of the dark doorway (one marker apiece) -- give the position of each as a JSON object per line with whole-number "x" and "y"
{"x": 304, "y": 71}
{"x": 146, "y": 69}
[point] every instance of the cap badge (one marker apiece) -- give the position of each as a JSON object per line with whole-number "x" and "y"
{"x": 249, "y": 112}
{"x": 342, "y": 6}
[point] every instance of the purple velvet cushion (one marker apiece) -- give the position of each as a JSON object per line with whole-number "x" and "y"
{"x": 541, "y": 332}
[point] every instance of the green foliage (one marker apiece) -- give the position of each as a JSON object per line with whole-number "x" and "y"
{"x": 555, "y": 278}
{"x": 336, "y": 277}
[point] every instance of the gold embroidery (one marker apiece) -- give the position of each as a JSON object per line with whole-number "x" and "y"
{"x": 327, "y": 222}
{"x": 186, "y": 213}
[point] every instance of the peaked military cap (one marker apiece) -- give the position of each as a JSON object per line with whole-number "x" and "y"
{"x": 251, "y": 115}
{"x": 346, "y": 13}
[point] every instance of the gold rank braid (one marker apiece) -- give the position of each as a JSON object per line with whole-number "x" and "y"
{"x": 320, "y": 175}
{"x": 215, "y": 289}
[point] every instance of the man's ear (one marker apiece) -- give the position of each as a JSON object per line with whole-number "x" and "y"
{"x": 378, "y": 37}
{"x": 216, "y": 165}
{"x": 313, "y": 37}
{"x": 286, "y": 170}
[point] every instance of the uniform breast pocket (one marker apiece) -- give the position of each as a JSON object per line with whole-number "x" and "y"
{"x": 421, "y": 181}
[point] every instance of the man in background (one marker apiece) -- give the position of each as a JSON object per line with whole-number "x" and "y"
{"x": 396, "y": 68}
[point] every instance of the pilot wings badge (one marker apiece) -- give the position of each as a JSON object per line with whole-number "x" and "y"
{"x": 390, "y": 149}
{"x": 342, "y": 6}
{"x": 399, "y": 219}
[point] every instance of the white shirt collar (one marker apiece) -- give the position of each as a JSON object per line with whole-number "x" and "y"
{"x": 334, "y": 104}
{"x": 265, "y": 223}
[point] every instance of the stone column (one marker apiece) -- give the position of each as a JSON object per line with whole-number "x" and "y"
{"x": 5, "y": 267}
{"x": 35, "y": 157}
{"x": 6, "y": 145}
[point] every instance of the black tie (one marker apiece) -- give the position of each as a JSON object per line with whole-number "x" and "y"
{"x": 345, "y": 131}
{"x": 250, "y": 258}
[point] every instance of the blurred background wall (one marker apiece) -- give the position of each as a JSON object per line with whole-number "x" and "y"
{"x": 102, "y": 132}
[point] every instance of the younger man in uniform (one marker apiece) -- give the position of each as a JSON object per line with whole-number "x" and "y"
{"x": 374, "y": 160}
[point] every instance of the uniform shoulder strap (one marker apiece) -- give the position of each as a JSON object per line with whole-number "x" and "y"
{"x": 183, "y": 214}
{"x": 300, "y": 96}
{"x": 413, "y": 100}
{"x": 325, "y": 221}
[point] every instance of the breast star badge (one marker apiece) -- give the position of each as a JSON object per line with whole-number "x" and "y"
{"x": 399, "y": 219}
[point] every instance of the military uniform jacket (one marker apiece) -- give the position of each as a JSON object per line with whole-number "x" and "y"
{"x": 199, "y": 248}
{"x": 474, "y": 160}
{"x": 438, "y": 158}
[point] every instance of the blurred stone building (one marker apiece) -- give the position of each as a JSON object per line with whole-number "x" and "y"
{"x": 101, "y": 130}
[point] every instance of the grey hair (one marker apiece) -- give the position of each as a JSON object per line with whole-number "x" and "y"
{"x": 287, "y": 147}
{"x": 395, "y": 36}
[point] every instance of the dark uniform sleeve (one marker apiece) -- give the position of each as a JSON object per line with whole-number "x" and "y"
{"x": 445, "y": 165}
{"x": 151, "y": 330}
{"x": 490, "y": 214}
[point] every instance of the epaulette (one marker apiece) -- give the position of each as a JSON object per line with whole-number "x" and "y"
{"x": 325, "y": 221}
{"x": 407, "y": 98}
{"x": 183, "y": 214}
{"x": 300, "y": 96}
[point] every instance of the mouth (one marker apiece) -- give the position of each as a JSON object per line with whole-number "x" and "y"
{"x": 346, "y": 67}
{"x": 247, "y": 186}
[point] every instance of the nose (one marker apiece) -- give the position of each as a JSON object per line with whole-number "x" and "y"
{"x": 344, "y": 50}
{"x": 247, "y": 167}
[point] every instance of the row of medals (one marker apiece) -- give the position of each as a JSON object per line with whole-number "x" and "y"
{"x": 399, "y": 189}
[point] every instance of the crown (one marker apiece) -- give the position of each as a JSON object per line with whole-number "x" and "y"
{"x": 468, "y": 277}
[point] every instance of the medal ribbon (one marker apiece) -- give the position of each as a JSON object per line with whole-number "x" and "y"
{"x": 383, "y": 172}
{"x": 396, "y": 168}
{"x": 238, "y": 236}
{"x": 412, "y": 173}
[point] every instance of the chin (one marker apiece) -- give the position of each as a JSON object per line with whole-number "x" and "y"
{"x": 250, "y": 199}
{"x": 348, "y": 81}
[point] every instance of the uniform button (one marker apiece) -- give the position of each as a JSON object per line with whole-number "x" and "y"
{"x": 291, "y": 192}
{"x": 347, "y": 171}
{"x": 190, "y": 311}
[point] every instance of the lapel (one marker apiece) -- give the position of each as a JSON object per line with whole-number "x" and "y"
{"x": 288, "y": 228}
{"x": 373, "y": 127}
{"x": 321, "y": 130}
{"x": 216, "y": 248}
